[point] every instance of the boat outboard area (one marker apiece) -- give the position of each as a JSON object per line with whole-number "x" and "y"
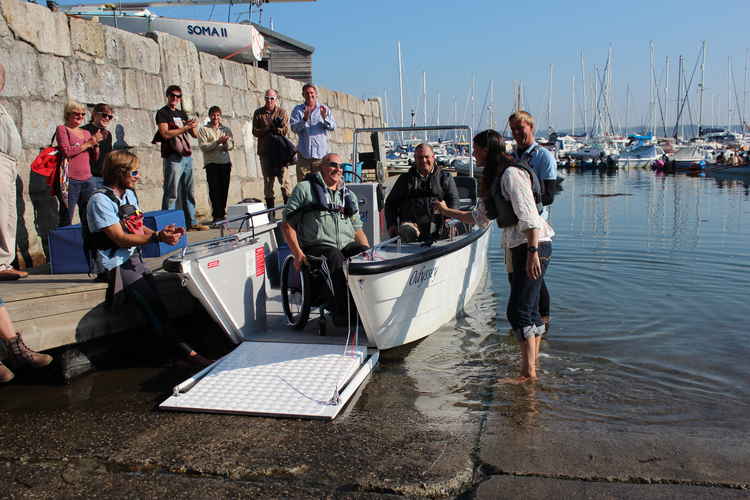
{"x": 290, "y": 359}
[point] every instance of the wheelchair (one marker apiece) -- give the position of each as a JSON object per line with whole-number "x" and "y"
{"x": 302, "y": 290}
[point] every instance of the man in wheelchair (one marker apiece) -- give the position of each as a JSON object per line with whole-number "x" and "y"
{"x": 321, "y": 219}
{"x": 408, "y": 209}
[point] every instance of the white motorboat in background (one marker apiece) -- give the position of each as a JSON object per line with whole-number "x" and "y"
{"x": 642, "y": 153}
{"x": 241, "y": 42}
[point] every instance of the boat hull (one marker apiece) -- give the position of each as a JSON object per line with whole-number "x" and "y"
{"x": 403, "y": 305}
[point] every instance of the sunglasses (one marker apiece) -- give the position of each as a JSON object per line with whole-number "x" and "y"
{"x": 333, "y": 164}
{"x": 134, "y": 173}
{"x": 176, "y": 96}
{"x": 272, "y": 98}
{"x": 108, "y": 117}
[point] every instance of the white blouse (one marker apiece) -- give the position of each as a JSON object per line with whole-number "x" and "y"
{"x": 515, "y": 186}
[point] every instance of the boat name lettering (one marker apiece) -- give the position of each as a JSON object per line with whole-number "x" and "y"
{"x": 419, "y": 276}
{"x": 207, "y": 31}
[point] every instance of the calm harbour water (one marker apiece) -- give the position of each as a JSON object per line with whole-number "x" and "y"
{"x": 650, "y": 288}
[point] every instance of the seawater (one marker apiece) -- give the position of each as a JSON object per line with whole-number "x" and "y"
{"x": 650, "y": 284}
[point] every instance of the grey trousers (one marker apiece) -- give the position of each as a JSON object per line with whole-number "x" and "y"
{"x": 8, "y": 215}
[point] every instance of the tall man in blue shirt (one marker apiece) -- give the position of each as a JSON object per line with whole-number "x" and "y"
{"x": 311, "y": 122}
{"x": 544, "y": 164}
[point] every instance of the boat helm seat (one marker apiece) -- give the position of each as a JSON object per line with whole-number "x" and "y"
{"x": 467, "y": 192}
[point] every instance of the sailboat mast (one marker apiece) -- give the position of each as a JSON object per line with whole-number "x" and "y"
{"x": 627, "y": 108}
{"x": 424, "y": 101}
{"x": 665, "y": 119}
{"x": 583, "y": 86}
{"x": 573, "y": 107}
{"x": 701, "y": 88}
{"x": 549, "y": 99}
{"x": 651, "y": 88}
{"x": 679, "y": 97}
{"x": 401, "y": 86}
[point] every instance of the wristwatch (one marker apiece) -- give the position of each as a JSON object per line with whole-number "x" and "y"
{"x": 533, "y": 249}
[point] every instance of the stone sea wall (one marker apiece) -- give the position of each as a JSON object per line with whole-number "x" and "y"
{"x": 51, "y": 58}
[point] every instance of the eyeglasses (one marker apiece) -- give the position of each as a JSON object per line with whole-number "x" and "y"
{"x": 134, "y": 173}
{"x": 270, "y": 98}
{"x": 333, "y": 164}
{"x": 108, "y": 117}
{"x": 176, "y": 96}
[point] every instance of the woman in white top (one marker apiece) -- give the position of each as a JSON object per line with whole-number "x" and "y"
{"x": 216, "y": 141}
{"x": 511, "y": 194}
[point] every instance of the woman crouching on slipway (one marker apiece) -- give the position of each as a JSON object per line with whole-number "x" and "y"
{"x": 511, "y": 195}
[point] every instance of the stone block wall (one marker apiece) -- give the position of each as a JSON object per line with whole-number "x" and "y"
{"x": 51, "y": 58}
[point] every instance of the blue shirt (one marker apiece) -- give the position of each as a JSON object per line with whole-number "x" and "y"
{"x": 313, "y": 133}
{"x": 544, "y": 164}
{"x": 541, "y": 160}
{"x": 101, "y": 213}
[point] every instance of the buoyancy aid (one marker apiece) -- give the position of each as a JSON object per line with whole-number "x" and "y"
{"x": 131, "y": 219}
{"x": 499, "y": 208}
{"x": 417, "y": 205}
{"x": 322, "y": 199}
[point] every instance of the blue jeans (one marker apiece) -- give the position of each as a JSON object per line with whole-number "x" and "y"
{"x": 178, "y": 186}
{"x": 523, "y": 303}
{"x": 79, "y": 193}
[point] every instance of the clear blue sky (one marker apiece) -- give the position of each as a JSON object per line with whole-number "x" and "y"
{"x": 355, "y": 48}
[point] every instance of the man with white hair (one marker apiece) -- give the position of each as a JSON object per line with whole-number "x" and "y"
{"x": 10, "y": 149}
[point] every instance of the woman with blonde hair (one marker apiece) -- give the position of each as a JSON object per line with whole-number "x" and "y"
{"x": 77, "y": 145}
{"x": 116, "y": 230}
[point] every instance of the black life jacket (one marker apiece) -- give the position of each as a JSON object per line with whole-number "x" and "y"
{"x": 417, "y": 205}
{"x": 322, "y": 199}
{"x": 99, "y": 240}
{"x": 501, "y": 209}
{"x": 433, "y": 190}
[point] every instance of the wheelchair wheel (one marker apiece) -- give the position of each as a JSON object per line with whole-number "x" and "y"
{"x": 295, "y": 294}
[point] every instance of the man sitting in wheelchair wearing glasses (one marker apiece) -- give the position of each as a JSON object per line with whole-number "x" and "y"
{"x": 321, "y": 219}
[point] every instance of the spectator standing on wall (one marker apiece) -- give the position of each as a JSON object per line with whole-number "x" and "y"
{"x": 10, "y": 149}
{"x": 216, "y": 141}
{"x": 174, "y": 127}
{"x": 79, "y": 146}
{"x": 268, "y": 121}
{"x": 101, "y": 117}
{"x": 311, "y": 122}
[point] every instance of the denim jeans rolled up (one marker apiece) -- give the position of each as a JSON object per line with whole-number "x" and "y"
{"x": 178, "y": 186}
{"x": 523, "y": 303}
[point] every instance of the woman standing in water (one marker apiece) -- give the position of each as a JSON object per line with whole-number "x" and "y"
{"x": 511, "y": 194}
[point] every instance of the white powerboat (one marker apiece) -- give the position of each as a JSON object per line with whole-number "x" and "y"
{"x": 404, "y": 292}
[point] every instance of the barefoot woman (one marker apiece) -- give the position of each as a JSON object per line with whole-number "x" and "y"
{"x": 511, "y": 194}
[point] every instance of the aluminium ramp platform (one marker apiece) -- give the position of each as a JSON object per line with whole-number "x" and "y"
{"x": 277, "y": 379}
